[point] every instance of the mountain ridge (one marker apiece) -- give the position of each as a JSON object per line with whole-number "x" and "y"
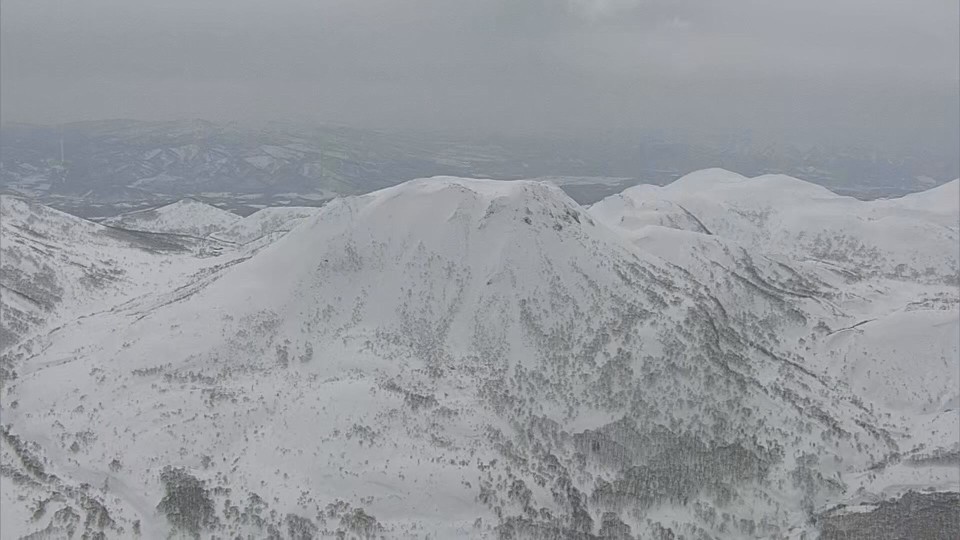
{"x": 124, "y": 162}
{"x": 476, "y": 358}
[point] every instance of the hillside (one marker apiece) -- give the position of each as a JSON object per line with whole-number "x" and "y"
{"x": 474, "y": 358}
{"x": 881, "y": 308}
{"x": 57, "y": 268}
{"x": 187, "y": 217}
{"x": 265, "y": 222}
{"x": 783, "y": 216}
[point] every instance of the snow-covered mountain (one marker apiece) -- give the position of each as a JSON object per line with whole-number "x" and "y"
{"x": 473, "y": 358}
{"x": 791, "y": 218}
{"x": 56, "y": 266}
{"x": 105, "y": 162}
{"x": 188, "y": 217}
{"x": 877, "y": 283}
{"x": 264, "y": 223}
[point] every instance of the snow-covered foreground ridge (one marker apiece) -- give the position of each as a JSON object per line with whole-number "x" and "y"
{"x": 720, "y": 358}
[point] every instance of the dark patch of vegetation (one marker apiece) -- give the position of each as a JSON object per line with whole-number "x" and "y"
{"x": 300, "y": 528}
{"x": 519, "y": 528}
{"x": 918, "y": 516}
{"x": 187, "y": 504}
{"x": 361, "y": 524}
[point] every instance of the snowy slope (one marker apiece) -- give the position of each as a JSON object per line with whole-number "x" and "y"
{"x": 940, "y": 201}
{"x": 880, "y": 307}
{"x": 264, "y": 222}
{"x": 57, "y": 266}
{"x": 804, "y": 222}
{"x": 187, "y": 217}
{"x": 458, "y": 358}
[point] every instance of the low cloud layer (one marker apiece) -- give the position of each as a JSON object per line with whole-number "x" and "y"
{"x": 882, "y": 72}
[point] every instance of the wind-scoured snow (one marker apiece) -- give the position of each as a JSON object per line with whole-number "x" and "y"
{"x": 474, "y": 358}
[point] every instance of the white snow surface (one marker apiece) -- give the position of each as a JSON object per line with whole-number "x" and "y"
{"x": 57, "y": 267}
{"x": 265, "y": 222}
{"x": 474, "y": 358}
{"x": 187, "y": 217}
{"x": 784, "y": 216}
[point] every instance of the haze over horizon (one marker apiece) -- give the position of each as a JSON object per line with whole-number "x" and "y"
{"x": 881, "y": 74}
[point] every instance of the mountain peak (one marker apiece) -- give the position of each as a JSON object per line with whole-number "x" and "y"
{"x": 477, "y": 189}
{"x": 708, "y": 177}
{"x": 427, "y": 203}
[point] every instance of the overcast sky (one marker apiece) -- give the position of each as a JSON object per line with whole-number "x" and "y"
{"x": 869, "y": 71}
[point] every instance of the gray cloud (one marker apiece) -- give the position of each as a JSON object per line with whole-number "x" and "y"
{"x": 861, "y": 71}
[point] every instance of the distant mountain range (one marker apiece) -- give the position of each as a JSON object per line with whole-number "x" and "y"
{"x": 244, "y": 168}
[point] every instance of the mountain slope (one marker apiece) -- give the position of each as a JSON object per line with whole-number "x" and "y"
{"x": 264, "y": 222}
{"x": 880, "y": 322}
{"x": 187, "y": 217}
{"x": 447, "y": 357}
{"x": 57, "y": 266}
{"x": 938, "y": 204}
{"x": 784, "y": 216}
